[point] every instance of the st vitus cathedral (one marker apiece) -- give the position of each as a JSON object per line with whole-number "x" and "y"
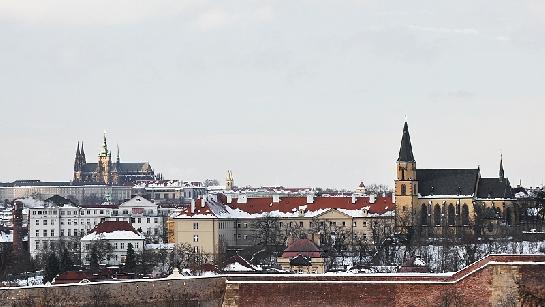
{"x": 107, "y": 171}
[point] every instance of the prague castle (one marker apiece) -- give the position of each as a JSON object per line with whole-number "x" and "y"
{"x": 107, "y": 171}
{"x": 432, "y": 201}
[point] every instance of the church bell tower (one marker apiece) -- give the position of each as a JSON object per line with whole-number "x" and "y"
{"x": 406, "y": 185}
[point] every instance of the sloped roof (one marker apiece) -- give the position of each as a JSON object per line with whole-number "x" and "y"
{"x": 111, "y": 226}
{"x": 447, "y": 181}
{"x": 494, "y": 188}
{"x": 73, "y": 277}
{"x": 236, "y": 264}
{"x": 300, "y": 260}
{"x": 89, "y": 167}
{"x": 288, "y": 207}
{"x": 304, "y": 247}
{"x": 138, "y": 201}
{"x": 59, "y": 200}
{"x": 406, "y": 149}
{"x": 113, "y": 230}
{"x": 140, "y": 167}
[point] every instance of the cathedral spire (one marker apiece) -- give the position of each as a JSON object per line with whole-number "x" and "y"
{"x": 502, "y": 172}
{"x": 82, "y": 153}
{"x": 118, "y": 154}
{"x": 104, "y": 151}
{"x": 406, "y": 150}
{"x": 77, "y": 152}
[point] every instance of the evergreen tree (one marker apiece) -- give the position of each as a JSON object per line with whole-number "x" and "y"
{"x": 66, "y": 262}
{"x": 51, "y": 267}
{"x": 94, "y": 258}
{"x": 130, "y": 261}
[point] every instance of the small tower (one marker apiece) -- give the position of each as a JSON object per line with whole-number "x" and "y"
{"x": 229, "y": 181}
{"x": 406, "y": 185}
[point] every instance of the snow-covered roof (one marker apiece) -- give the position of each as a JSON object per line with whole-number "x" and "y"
{"x": 138, "y": 201}
{"x": 114, "y": 235}
{"x": 113, "y": 230}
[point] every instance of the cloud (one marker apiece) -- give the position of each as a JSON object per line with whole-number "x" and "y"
{"x": 468, "y": 31}
{"x": 101, "y": 12}
{"x": 215, "y": 18}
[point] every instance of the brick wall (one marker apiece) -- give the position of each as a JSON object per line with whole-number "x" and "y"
{"x": 494, "y": 281}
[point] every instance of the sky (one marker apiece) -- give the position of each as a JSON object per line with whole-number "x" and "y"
{"x": 294, "y": 93}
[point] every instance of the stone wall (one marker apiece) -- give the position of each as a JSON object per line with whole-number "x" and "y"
{"x": 499, "y": 280}
{"x": 494, "y": 281}
{"x": 158, "y": 293}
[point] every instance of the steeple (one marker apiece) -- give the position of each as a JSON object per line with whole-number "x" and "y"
{"x": 406, "y": 150}
{"x": 502, "y": 172}
{"x": 77, "y": 152}
{"x": 83, "y": 154}
{"x": 117, "y": 160}
{"x": 104, "y": 151}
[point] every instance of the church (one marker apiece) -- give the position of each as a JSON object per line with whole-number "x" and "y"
{"x": 439, "y": 202}
{"x": 109, "y": 172}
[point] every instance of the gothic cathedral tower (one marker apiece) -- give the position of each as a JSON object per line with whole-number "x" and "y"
{"x": 104, "y": 164}
{"x": 406, "y": 185}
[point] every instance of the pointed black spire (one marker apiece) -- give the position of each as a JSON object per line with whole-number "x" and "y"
{"x": 406, "y": 150}
{"x": 502, "y": 172}
{"x": 77, "y": 152}
{"x": 83, "y": 154}
{"x": 117, "y": 160}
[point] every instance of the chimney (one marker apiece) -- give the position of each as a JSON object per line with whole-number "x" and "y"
{"x": 372, "y": 198}
{"x": 17, "y": 218}
{"x": 243, "y": 199}
{"x": 310, "y": 199}
{"x": 229, "y": 198}
{"x": 192, "y": 206}
{"x": 276, "y": 198}
{"x": 354, "y": 199}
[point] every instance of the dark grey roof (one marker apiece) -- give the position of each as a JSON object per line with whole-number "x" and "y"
{"x": 447, "y": 181}
{"x": 300, "y": 260}
{"x": 406, "y": 150}
{"x": 89, "y": 167}
{"x": 133, "y": 167}
{"x": 121, "y": 167}
{"x": 494, "y": 188}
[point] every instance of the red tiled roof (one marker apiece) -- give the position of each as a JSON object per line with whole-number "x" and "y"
{"x": 72, "y": 277}
{"x": 303, "y": 247}
{"x": 287, "y": 204}
{"x": 111, "y": 226}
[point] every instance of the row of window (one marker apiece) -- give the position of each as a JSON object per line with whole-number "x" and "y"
{"x": 51, "y": 232}
{"x": 69, "y": 212}
{"x": 116, "y": 246}
{"x": 291, "y": 224}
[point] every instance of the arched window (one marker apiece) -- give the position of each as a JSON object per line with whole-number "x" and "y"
{"x": 403, "y": 189}
{"x": 509, "y": 216}
{"x": 424, "y": 215}
{"x": 451, "y": 215}
{"x": 437, "y": 215}
{"x": 465, "y": 215}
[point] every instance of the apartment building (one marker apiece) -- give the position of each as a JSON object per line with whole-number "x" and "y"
{"x": 216, "y": 223}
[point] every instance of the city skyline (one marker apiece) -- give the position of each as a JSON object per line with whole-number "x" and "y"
{"x": 294, "y": 94}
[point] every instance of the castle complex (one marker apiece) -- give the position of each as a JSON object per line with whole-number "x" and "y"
{"x": 107, "y": 171}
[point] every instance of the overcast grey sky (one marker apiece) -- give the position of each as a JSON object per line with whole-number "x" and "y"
{"x": 299, "y": 93}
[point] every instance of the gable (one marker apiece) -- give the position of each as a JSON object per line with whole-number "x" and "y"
{"x": 333, "y": 214}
